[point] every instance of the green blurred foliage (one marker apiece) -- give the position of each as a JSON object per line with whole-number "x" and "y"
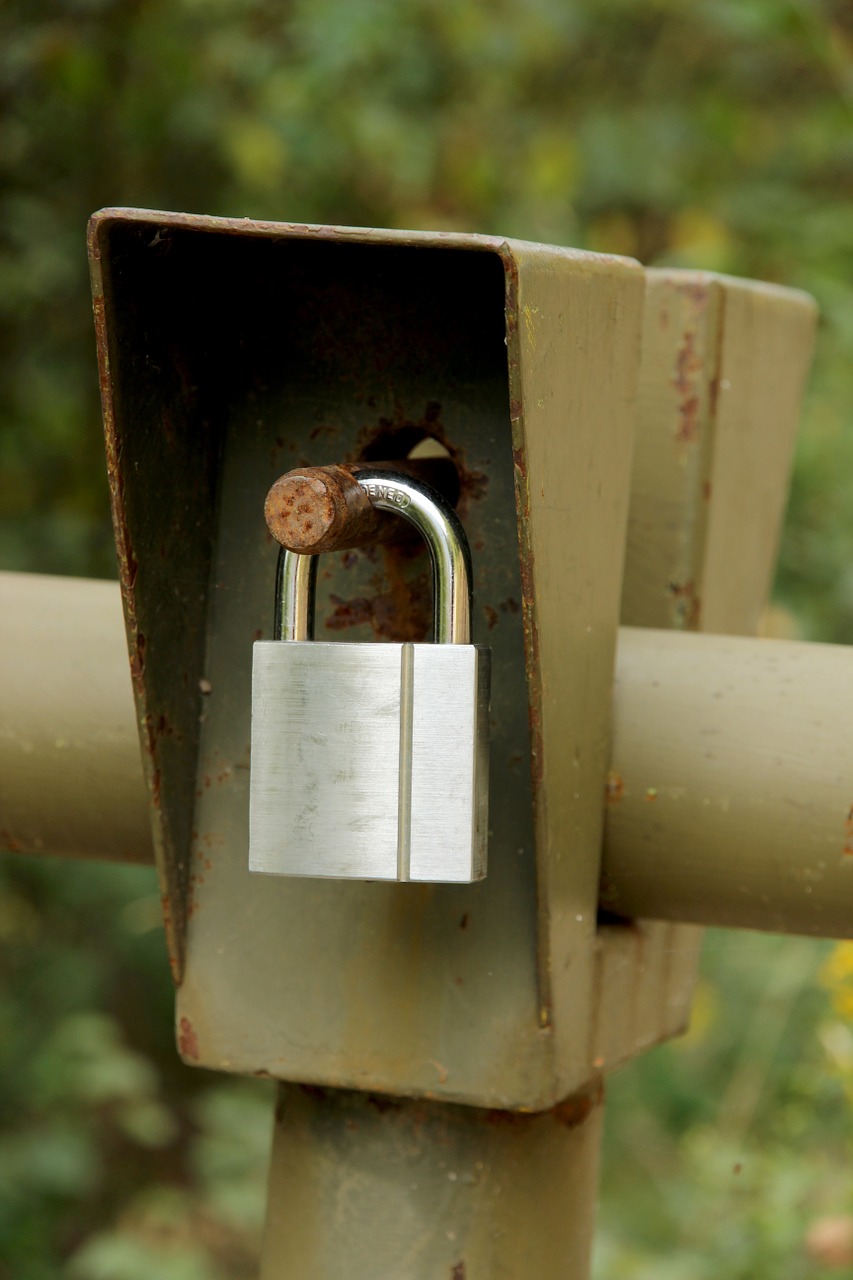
{"x": 115, "y": 1160}
{"x": 727, "y": 1152}
{"x": 705, "y": 133}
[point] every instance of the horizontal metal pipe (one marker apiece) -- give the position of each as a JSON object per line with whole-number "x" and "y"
{"x": 70, "y": 770}
{"x": 729, "y": 800}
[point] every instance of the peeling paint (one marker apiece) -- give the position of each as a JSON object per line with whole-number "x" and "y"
{"x": 188, "y": 1040}
{"x": 614, "y": 788}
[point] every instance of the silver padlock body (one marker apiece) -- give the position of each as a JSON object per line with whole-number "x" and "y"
{"x": 369, "y": 761}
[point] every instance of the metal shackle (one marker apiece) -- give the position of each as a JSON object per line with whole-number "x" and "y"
{"x": 440, "y": 528}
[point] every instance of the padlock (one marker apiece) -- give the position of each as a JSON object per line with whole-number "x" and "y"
{"x": 370, "y": 761}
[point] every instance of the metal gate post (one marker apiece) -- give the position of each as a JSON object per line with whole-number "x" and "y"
{"x": 365, "y": 1185}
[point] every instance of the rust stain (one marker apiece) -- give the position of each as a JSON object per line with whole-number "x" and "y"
{"x": 848, "y": 833}
{"x": 519, "y": 463}
{"x": 570, "y": 1113}
{"x": 381, "y": 1103}
{"x": 128, "y": 572}
{"x": 688, "y": 606}
{"x": 8, "y": 841}
{"x": 491, "y": 617}
{"x": 458, "y": 1272}
{"x": 472, "y": 484}
{"x": 171, "y": 939}
{"x": 575, "y": 1110}
{"x": 349, "y": 613}
{"x": 537, "y": 761}
{"x": 686, "y": 380}
{"x": 689, "y": 413}
{"x": 188, "y": 1040}
{"x": 614, "y": 788}
{"x": 324, "y": 429}
{"x": 531, "y": 633}
{"x": 696, "y": 292}
{"x": 166, "y": 729}
{"x": 137, "y": 660}
{"x": 402, "y": 612}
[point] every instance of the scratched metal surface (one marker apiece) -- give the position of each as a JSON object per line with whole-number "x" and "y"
{"x": 329, "y": 767}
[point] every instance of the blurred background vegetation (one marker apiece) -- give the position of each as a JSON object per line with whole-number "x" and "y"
{"x": 684, "y": 132}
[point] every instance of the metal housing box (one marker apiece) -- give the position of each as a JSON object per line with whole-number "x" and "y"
{"x": 232, "y": 351}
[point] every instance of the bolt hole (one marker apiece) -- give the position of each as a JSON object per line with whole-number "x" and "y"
{"x": 413, "y": 441}
{"x": 429, "y": 447}
{"x": 443, "y": 474}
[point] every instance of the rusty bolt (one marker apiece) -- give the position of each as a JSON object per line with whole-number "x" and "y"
{"x": 318, "y": 509}
{"x": 308, "y": 510}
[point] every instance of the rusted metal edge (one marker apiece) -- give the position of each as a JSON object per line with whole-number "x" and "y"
{"x": 172, "y": 898}
{"x": 168, "y": 220}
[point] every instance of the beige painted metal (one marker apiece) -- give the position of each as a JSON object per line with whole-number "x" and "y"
{"x": 724, "y": 369}
{"x": 70, "y": 773}
{"x": 735, "y": 765}
{"x": 722, "y": 378}
{"x": 375, "y": 1188}
{"x": 573, "y": 501}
